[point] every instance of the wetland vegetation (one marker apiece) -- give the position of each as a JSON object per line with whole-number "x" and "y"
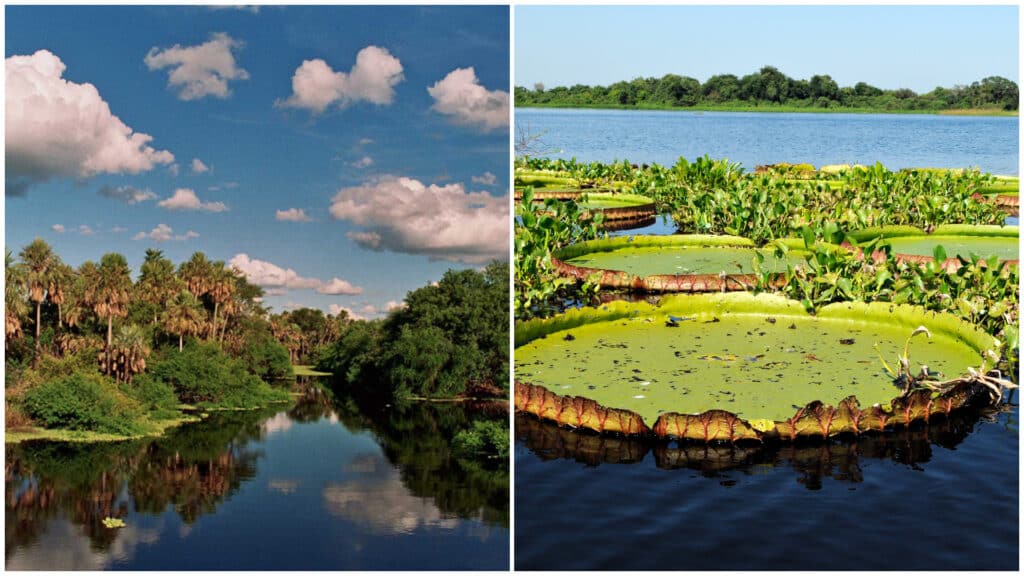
{"x": 814, "y": 250}
{"x": 93, "y": 354}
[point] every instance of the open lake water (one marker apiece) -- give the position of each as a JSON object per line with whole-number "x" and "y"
{"x": 938, "y": 497}
{"x": 751, "y": 138}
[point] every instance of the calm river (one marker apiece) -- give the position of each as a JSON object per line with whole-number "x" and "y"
{"x": 941, "y": 497}
{"x": 327, "y": 484}
{"x": 895, "y": 140}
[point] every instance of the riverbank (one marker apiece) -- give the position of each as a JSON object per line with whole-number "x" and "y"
{"x": 779, "y": 108}
{"x": 156, "y": 429}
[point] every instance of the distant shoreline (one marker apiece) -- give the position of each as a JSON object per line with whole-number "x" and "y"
{"x": 781, "y": 109}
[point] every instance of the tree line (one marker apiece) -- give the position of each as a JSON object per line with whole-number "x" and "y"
{"x": 90, "y": 348}
{"x": 770, "y": 87}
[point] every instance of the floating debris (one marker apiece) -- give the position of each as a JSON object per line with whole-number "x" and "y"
{"x": 113, "y": 522}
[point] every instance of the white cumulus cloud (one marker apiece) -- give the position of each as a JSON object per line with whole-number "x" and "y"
{"x": 316, "y": 86}
{"x": 199, "y": 71}
{"x": 57, "y": 128}
{"x": 267, "y": 274}
{"x": 164, "y": 233}
{"x": 338, "y": 286}
{"x": 127, "y": 194}
{"x": 292, "y": 215}
{"x": 393, "y": 305}
{"x": 186, "y": 199}
{"x": 443, "y": 222}
{"x": 58, "y": 228}
{"x": 460, "y": 96}
{"x": 199, "y": 167}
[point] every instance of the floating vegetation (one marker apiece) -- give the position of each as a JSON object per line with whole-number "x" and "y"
{"x": 732, "y": 375}
{"x": 956, "y": 241}
{"x": 678, "y": 263}
{"x": 113, "y": 523}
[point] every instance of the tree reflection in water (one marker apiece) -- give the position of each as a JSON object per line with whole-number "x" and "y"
{"x": 197, "y": 466}
{"x": 813, "y": 461}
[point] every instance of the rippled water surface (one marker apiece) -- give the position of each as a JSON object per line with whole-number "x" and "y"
{"x": 327, "y": 485}
{"x": 750, "y": 138}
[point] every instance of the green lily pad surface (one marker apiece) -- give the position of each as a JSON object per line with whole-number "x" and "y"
{"x": 651, "y": 260}
{"x": 1006, "y": 248}
{"x": 602, "y": 201}
{"x": 757, "y": 365}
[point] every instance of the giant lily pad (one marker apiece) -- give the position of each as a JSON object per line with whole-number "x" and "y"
{"x": 737, "y": 366}
{"x": 956, "y": 239}
{"x": 675, "y": 263}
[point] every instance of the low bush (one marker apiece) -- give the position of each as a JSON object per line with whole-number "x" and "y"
{"x": 202, "y": 374}
{"x": 83, "y": 401}
{"x": 267, "y": 359}
{"x": 485, "y": 438}
{"x": 154, "y": 395}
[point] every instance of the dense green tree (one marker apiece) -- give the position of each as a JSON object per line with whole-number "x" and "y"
{"x": 722, "y": 88}
{"x": 823, "y": 86}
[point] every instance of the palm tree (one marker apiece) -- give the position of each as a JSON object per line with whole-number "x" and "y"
{"x": 126, "y": 356}
{"x": 14, "y": 298}
{"x": 287, "y": 333}
{"x": 61, "y": 279}
{"x": 184, "y": 316}
{"x": 39, "y": 261}
{"x": 197, "y": 274}
{"x": 108, "y": 291}
{"x": 157, "y": 283}
{"x": 221, "y": 289}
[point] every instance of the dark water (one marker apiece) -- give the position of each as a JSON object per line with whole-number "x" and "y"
{"x": 895, "y": 140}
{"x": 327, "y": 484}
{"x": 937, "y": 497}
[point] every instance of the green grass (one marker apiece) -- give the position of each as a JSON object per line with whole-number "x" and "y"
{"x": 153, "y": 429}
{"x": 301, "y": 370}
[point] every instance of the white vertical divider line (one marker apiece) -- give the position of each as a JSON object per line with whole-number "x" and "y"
{"x": 511, "y": 287}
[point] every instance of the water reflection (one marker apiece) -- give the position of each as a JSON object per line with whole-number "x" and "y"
{"x": 813, "y": 461}
{"x": 384, "y": 470}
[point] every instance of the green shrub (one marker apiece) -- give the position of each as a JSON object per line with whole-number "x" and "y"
{"x": 83, "y": 401}
{"x": 268, "y": 360}
{"x": 153, "y": 394}
{"x": 203, "y": 374}
{"x": 485, "y": 438}
{"x": 54, "y": 367}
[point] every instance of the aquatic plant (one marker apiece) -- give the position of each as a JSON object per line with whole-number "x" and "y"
{"x": 963, "y": 348}
{"x": 539, "y": 230}
{"x": 113, "y": 522}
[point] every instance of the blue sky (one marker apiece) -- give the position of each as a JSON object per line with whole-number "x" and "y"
{"x": 916, "y": 47}
{"x": 351, "y": 154}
